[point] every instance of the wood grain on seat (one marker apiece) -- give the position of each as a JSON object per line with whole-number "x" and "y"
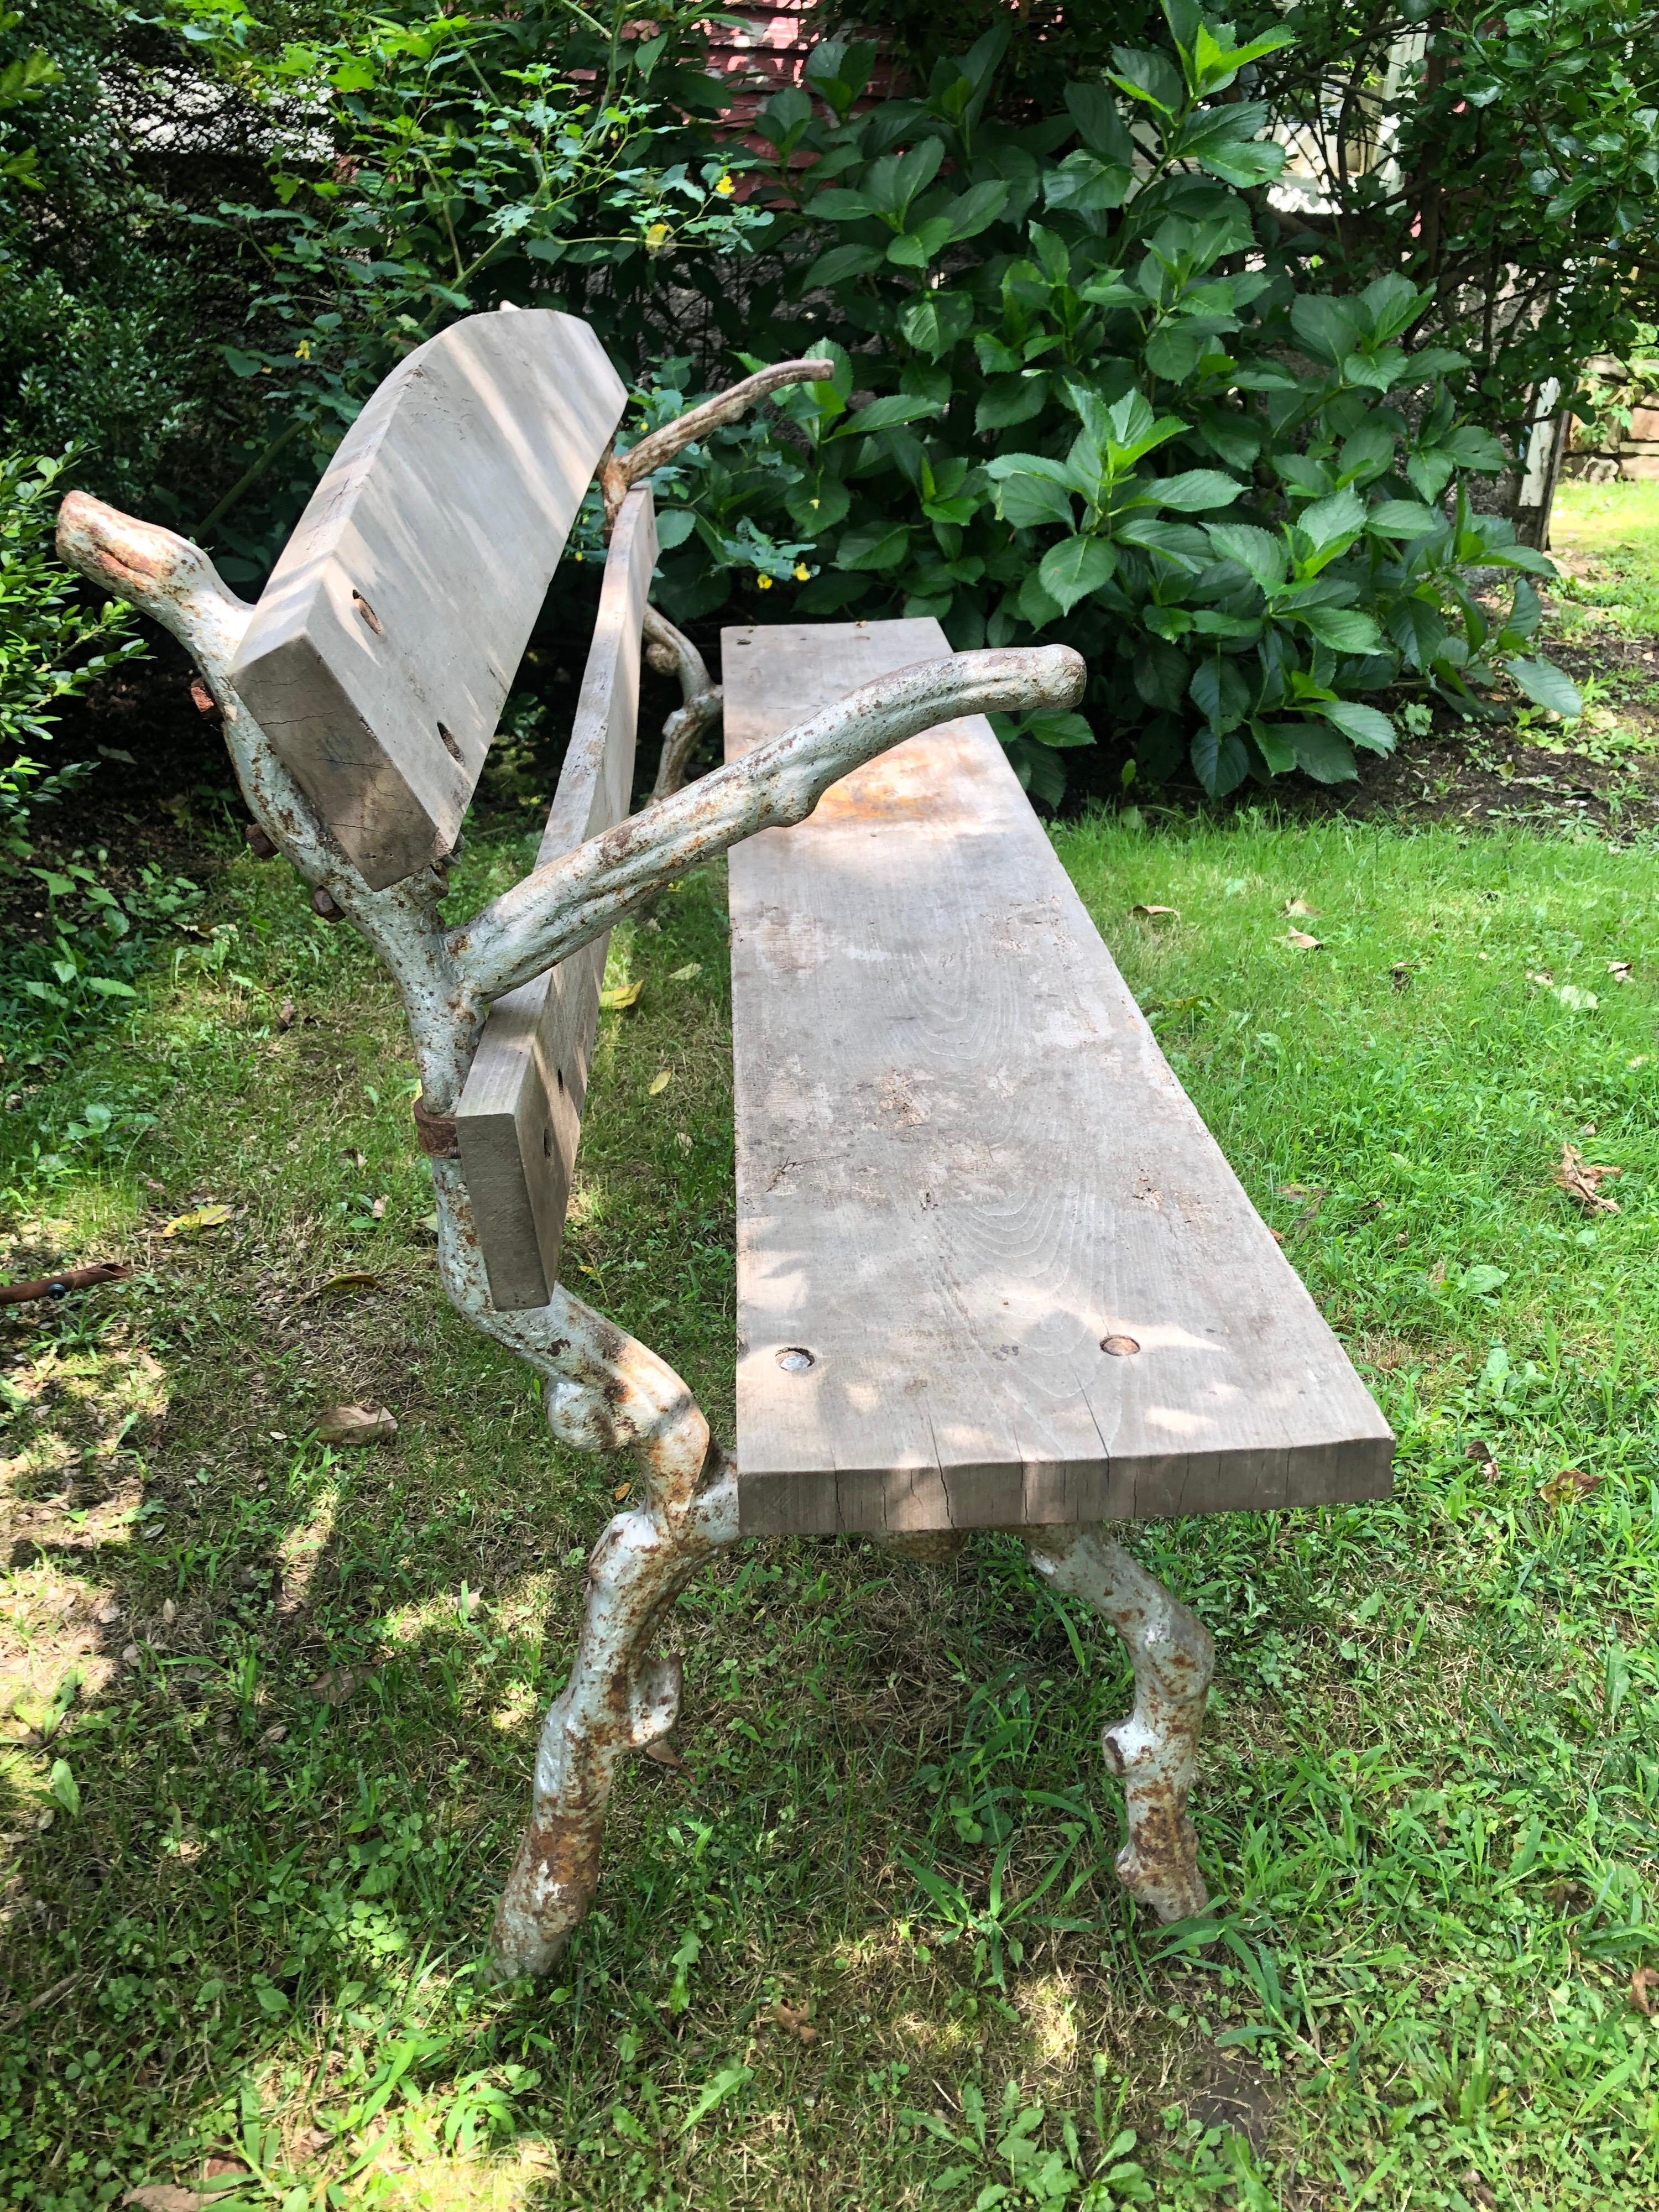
{"x": 992, "y": 1268}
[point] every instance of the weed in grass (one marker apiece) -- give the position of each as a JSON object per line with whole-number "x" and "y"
{"x": 277, "y": 1701}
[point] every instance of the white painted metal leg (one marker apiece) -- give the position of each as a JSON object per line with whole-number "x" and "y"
{"x": 1154, "y": 1750}
{"x": 617, "y": 1699}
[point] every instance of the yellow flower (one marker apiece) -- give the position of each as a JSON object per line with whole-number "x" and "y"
{"x": 656, "y": 237}
{"x": 302, "y": 351}
{"x": 724, "y": 185}
{"x": 765, "y": 582}
{"x": 801, "y": 572}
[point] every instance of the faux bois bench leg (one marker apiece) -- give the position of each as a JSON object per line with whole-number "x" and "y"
{"x": 1154, "y": 1750}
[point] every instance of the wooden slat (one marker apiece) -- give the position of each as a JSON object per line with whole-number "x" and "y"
{"x": 384, "y": 646}
{"x": 962, "y": 1163}
{"x": 520, "y": 1114}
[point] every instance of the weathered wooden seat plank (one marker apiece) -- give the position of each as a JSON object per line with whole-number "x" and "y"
{"x": 964, "y": 1166}
{"x": 519, "y": 1118}
{"x": 380, "y": 652}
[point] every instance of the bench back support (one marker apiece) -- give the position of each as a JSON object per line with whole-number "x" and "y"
{"x": 382, "y": 649}
{"x": 519, "y": 1118}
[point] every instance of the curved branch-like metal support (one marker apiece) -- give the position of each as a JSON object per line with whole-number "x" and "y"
{"x": 559, "y": 907}
{"x": 1155, "y": 1750}
{"x": 603, "y": 1391}
{"x": 658, "y": 448}
{"x": 671, "y": 652}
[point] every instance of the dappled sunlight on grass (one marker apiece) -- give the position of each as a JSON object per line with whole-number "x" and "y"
{"x": 1428, "y": 1804}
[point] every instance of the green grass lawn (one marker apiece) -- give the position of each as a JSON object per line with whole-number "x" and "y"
{"x": 270, "y": 1708}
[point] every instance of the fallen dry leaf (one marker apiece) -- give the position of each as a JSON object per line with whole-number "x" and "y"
{"x": 274, "y": 1733}
{"x": 355, "y": 1158}
{"x": 376, "y": 1212}
{"x": 1303, "y": 942}
{"x": 1477, "y": 2191}
{"x": 169, "y": 1613}
{"x": 288, "y": 1016}
{"x": 1572, "y": 1483}
{"x": 1580, "y": 1180}
{"x": 203, "y": 1217}
{"x": 625, "y": 994}
{"x": 795, "y": 2020}
{"x": 335, "y": 1686}
{"x": 225, "y": 2169}
{"x": 1541, "y": 976}
{"x": 664, "y": 1754}
{"x": 1644, "y": 1989}
{"x": 684, "y": 974}
{"x": 355, "y": 1425}
{"x": 1300, "y": 906}
{"x": 622, "y": 1490}
{"x": 1620, "y": 971}
{"x": 1156, "y": 912}
{"x": 659, "y": 1082}
{"x": 164, "y": 2196}
{"x": 1482, "y": 1454}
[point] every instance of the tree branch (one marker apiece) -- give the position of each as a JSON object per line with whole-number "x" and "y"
{"x": 562, "y": 907}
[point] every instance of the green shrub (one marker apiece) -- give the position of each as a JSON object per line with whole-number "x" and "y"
{"x": 75, "y": 951}
{"x": 53, "y": 644}
{"x": 1078, "y": 395}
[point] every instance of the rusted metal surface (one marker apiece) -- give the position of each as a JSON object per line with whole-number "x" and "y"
{"x": 1155, "y": 1750}
{"x": 437, "y": 1134}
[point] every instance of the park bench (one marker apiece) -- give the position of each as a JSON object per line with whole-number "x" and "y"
{"x": 993, "y": 1271}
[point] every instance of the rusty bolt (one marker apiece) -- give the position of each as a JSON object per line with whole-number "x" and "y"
{"x": 321, "y": 904}
{"x": 257, "y": 844}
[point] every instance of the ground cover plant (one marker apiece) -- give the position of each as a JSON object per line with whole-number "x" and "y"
{"x": 272, "y": 1702}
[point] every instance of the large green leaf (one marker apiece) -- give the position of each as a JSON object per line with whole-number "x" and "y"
{"x": 1259, "y": 552}
{"x": 1027, "y": 502}
{"x": 1100, "y": 126}
{"x": 1074, "y": 568}
{"x": 1329, "y": 521}
{"x": 1010, "y": 399}
{"x": 1362, "y": 725}
{"x": 877, "y": 548}
{"x": 1326, "y": 327}
{"x": 1344, "y": 628}
{"x": 1418, "y": 628}
{"x": 1549, "y": 686}
{"x": 1404, "y": 518}
{"x": 938, "y": 321}
{"x": 1324, "y": 754}
{"x": 1220, "y": 764}
{"x": 1084, "y": 185}
{"x": 1193, "y": 492}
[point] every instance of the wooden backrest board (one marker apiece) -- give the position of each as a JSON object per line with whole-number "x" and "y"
{"x": 993, "y": 1270}
{"x": 382, "y": 649}
{"x": 520, "y": 1112}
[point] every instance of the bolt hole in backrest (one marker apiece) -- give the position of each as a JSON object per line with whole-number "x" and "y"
{"x": 382, "y": 649}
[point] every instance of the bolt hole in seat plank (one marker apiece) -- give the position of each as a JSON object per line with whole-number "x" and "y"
{"x": 993, "y": 1270}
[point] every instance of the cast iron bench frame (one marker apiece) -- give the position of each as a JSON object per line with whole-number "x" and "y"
{"x": 357, "y": 726}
